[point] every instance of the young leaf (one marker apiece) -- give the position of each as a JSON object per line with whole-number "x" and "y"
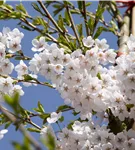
{"x": 27, "y": 77}
{"x": 99, "y": 31}
{"x": 1, "y": 3}
{"x": 49, "y": 141}
{"x": 80, "y": 5}
{"x": 20, "y": 7}
{"x": 63, "y": 108}
{"x": 40, "y": 107}
{"x": 33, "y": 130}
{"x": 80, "y": 29}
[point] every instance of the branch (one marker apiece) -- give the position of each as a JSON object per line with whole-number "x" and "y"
{"x": 39, "y": 30}
{"x": 12, "y": 118}
{"x": 85, "y": 18}
{"x": 73, "y": 25}
{"x": 133, "y": 20}
{"x": 29, "y": 81}
{"x": 32, "y": 26}
{"x": 52, "y": 20}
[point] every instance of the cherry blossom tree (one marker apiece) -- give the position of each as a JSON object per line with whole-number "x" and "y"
{"x": 96, "y": 82}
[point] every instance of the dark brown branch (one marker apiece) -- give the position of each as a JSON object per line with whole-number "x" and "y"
{"x": 85, "y": 18}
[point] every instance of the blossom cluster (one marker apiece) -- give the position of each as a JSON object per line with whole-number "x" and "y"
{"x": 96, "y": 80}
{"x": 10, "y": 43}
{"x": 85, "y": 136}
{"x": 92, "y": 81}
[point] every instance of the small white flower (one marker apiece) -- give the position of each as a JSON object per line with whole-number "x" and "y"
{"x": 7, "y": 67}
{"x": 88, "y": 42}
{"x": 6, "y": 84}
{"x": 18, "y": 89}
{"x": 14, "y": 45}
{"x": 58, "y": 68}
{"x": 2, "y": 50}
{"x": 102, "y": 44}
{"x": 110, "y": 55}
{"x": 21, "y": 68}
{"x": 14, "y": 34}
{"x": 2, "y": 132}
{"x": 39, "y": 45}
{"x": 131, "y": 43}
{"x": 54, "y": 117}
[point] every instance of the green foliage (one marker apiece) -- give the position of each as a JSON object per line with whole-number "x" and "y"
{"x": 21, "y": 8}
{"x": 1, "y": 2}
{"x": 12, "y": 101}
{"x": 49, "y": 141}
{"x": 37, "y": 8}
{"x": 40, "y": 108}
{"x": 24, "y": 146}
{"x": 33, "y": 130}
{"x": 63, "y": 108}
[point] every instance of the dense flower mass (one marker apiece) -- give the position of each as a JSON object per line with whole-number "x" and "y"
{"x": 95, "y": 84}
{"x": 10, "y": 42}
{"x": 90, "y": 82}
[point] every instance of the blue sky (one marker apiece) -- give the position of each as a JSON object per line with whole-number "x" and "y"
{"x": 50, "y": 98}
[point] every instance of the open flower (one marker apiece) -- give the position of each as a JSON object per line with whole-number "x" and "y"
{"x": 2, "y": 132}
{"x": 88, "y": 42}
{"x": 54, "y": 117}
{"x": 39, "y": 45}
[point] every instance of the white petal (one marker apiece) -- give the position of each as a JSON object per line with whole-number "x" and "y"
{"x": 1, "y": 136}
{"x": 4, "y": 131}
{"x": 35, "y": 42}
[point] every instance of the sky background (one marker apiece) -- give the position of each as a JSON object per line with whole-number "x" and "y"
{"x": 50, "y": 98}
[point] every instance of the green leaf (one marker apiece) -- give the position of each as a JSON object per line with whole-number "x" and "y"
{"x": 80, "y": 29}
{"x": 61, "y": 119}
{"x": 58, "y": 10}
{"x": 26, "y": 144}
{"x": 99, "y": 76}
{"x": 63, "y": 108}
{"x": 69, "y": 126}
{"x": 99, "y": 12}
{"x": 67, "y": 19}
{"x": 8, "y": 124}
{"x": 91, "y": 22}
{"x": 73, "y": 11}
{"x": 15, "y": 15}
{"x": 26, "y": 28}
{"x": 37, "y": 8}
{"x": 99, "y": 31}
{"x": 88, "y": 4}
{"x": 49, "y": 141}
{"x": 1, "y": 3}
{"x": 40, "y": 107}
{"x": 17, "y": 145}
{"x": 12, "y": 101}
{"x": 8, "y": 99}
{"x": 80, "y": 4}
{"x": 20, "y": 7}
{"x": 33, "y": 130}
{"x": 27, "y": 77}
{"x": 61, "y": 23}
{"x": 75, "y": 113}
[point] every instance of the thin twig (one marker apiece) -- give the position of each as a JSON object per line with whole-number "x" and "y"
{"x": 52, "y": 20}
{"x": 73, "y": 25}
{"x": 33, "y": 27}
{"x": 39, "y": 30}
{"x": 85, "y": 17}
{"x": 12, "y": 118}
{"x": 29, "y": 81}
